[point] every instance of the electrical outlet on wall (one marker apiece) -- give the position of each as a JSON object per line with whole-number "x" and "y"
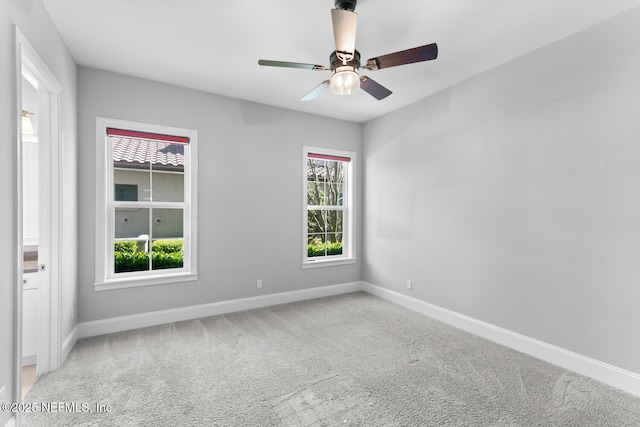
{"x": 409, "y": 284}
{"x": 259, "y": 283}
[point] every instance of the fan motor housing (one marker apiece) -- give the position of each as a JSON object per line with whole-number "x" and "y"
{"x": 349, "y": 5}
{"x": 337, "y": 62}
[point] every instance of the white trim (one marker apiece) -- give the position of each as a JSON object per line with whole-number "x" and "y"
{"x": 29, "y": 360}
{"x": 159, "y": 279}
{"x": 17, "y": 237}
{"x": 105, "y": 279}
{"x": 69, "y": 342}
{"x": 608, "y": 374}
{"x": 348, "y": 209}
{"x": 35, "y": 70}
{"x": 49, "y": 243}
{"x": 37, "y": 66}
{"x": 135, "y": 321}
{"x": 328, "y": 262}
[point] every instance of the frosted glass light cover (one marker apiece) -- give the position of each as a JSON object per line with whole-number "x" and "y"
{"x": 345, "y": 82}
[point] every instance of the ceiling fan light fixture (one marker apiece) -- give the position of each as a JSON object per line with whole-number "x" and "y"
{"x": 345, "y": 81}
{"x": 345, "y": 60}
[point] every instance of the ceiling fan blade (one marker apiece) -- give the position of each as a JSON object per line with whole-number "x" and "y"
{"x": 344, "y": 32}
{"x": 374, "y": 88}
{"x": 316, "y": 91}
{"x": 285, "y": 64}
{"x": 409, "y": 56}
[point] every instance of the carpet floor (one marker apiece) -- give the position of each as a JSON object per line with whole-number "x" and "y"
{"x": 350, "y": 360}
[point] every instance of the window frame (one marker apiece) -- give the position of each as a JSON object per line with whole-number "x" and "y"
{"x": 105, "y": 276}
{"x": 348, "y": 255}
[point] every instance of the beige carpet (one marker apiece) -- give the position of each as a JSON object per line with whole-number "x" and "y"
{"x": 346, "y": 360}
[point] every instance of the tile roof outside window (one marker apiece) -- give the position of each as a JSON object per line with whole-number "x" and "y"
{"x": 147, "y": 151}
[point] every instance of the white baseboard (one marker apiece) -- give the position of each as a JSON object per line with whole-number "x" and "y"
{"x": 135, "y": 321}
{"x": 68, "y": 343}
{"x": 29, "y": 360}
{"x": 608, "y": 374}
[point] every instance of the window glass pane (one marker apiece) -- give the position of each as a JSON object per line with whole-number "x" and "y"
{"x": 325, "y": 182}
{"x": 316, "y": 170}
{"x": 316, "y": 221}
{"x": 131, "y": 240}
{"x": 167, "y": 223}
{"x": 334, "y": 244}
{"x": 333, "y": 221}
{"x": 316, "y": 179}
{"x": 316, "y": 245}
{"x": 324, "y": 244}
{"x": 314, "y": 190}
{"x": 331, "y": 194}
{"x": 323, "y": 193}
{"x": 335, "y": 179}
{"x": 128, "y": 257}
{"x": 324, "y": 232}
{"x": 329, "y": 221}
{"x": 131, "y": 223}
{"x": 130, "y": 177}
{"x": 167, "y": 230}
{"x": 167, "y": 162}
{"x": 334, "y": 170}
{"x": 168, "y": 186}
{"x": 340, "y": 195}
{"x": 167, "y": 253}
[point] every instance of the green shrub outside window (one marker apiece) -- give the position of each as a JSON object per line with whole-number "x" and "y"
{"x": 165, "y": 254}
{"x": 329, "y": 248}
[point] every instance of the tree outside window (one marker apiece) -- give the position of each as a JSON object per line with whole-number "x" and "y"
{"x": 328, "y": 221}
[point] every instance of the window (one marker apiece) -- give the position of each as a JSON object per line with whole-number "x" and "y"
{"x": 146, "y": 204}
{"x": 328, "y": 215}
{"x": 126, "y": 192}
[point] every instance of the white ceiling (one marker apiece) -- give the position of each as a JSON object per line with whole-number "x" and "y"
{"x": 214, "y": 45}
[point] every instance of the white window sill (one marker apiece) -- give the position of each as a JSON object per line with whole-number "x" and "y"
{"x": 328, "y": 262}
{"x": 133, "y": 282}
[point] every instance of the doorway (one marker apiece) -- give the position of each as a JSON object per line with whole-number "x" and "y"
{"x": 37, "y": 341}
{"x": 31, "y": 276}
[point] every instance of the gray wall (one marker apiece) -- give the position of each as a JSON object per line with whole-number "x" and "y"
{"x": 250, "y": 200}
{"x": 31, "y": 17}
{"x": 514, "y": 197}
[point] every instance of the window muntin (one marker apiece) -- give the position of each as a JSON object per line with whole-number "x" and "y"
{"x": 151, "y": 238}
{"x": 328, "y": 223}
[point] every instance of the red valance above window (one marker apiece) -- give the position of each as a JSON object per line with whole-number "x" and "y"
{"x": 329, "y": 157}
{"x": 147, "y": 135}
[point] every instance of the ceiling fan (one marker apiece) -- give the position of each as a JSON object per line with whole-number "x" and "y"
{"x": 345, "y": 60}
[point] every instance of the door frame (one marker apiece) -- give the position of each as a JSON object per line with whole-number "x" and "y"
{"x": 33, "y": 68}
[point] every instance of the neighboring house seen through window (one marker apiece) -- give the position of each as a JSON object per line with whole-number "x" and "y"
{"x": 147, "y": 226}
{"x": 126, "y": 192}
{"x": 328, "y": 219}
